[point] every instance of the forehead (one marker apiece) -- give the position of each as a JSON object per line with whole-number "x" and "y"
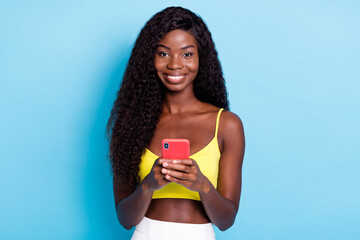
{"x": 178, "y": 38}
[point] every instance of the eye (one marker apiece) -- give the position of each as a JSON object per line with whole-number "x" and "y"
{"x": 162, "y": 54}
{"x": 189, "y": 54}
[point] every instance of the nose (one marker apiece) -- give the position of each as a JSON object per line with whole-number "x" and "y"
{"x": 175, "y": 63}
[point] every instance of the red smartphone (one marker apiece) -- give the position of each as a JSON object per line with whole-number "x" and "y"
{"x": 175, "y": 148}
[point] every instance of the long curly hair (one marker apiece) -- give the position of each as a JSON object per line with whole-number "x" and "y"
{"x": 136, "y": 110}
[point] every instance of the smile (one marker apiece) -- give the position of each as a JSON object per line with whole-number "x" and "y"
{"x": 174, "y": 78}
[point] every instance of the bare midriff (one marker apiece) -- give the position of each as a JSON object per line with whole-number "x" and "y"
{"x": 177, "y": 210}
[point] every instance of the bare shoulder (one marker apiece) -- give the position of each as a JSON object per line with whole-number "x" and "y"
{"x": 232, "y": 146}
{"x": 231, "y": 131}
{"x": 230, "y": 122}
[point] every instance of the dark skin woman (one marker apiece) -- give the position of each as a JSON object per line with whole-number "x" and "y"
{"x": 177, "y": 63}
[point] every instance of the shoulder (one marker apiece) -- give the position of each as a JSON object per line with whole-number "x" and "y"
{"x": 231, "y": 130}
{"x": 229, "y": 121}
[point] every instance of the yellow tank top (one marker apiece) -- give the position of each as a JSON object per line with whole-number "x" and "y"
{"x": 207, "y": 159}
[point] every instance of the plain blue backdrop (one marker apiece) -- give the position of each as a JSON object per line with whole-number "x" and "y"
{"x": 292, "y": 69}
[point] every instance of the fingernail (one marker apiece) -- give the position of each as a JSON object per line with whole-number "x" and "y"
{"x": 165, "y": 164}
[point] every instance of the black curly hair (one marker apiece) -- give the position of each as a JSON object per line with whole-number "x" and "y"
{"x": 137, "y": 107}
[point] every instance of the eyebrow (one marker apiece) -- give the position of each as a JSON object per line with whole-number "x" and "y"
{"x": 187, "y": 46}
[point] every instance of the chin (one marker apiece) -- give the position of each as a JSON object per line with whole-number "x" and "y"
{"x": 174, "y": 89}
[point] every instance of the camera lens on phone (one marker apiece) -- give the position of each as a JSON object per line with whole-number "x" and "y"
{"x": 166, "y": 145}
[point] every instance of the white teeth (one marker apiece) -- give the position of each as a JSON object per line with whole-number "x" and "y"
{"x": 175, "y": 77}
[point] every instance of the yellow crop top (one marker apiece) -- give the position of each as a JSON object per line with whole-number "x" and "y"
{"x": 207, "y": 159}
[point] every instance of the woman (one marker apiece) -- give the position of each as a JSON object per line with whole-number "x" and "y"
{"x": 173, "y": 88}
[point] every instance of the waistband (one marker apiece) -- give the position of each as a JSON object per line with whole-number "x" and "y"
{"x": 146, "y": 219}
{"x": 155, "y": 229}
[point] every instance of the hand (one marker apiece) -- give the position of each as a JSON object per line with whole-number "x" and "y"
{"x": 156, "y": 179}
{"x": 187, "y": 173}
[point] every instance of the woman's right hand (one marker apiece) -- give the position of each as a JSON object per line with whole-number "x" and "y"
{"x": 156, "y": 179}
{"x": 132, "y": 206}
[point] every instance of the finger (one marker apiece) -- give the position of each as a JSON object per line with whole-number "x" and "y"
{"x": 160, "y": 178}
{"x": 178, "y": 167}
{"x": 176, "y": 174}
{"x": 185, "y": 183}
{"x": 163, "y": 160}
{"x": 184, "y": 161}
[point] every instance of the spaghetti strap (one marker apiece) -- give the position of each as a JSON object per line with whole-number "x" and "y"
{"x": 217, "y": 122}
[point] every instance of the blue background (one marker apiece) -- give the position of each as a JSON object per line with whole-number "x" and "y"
{"x": 292, "y": 70}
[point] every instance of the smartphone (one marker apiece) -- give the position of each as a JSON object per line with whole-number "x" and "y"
{"x": 175, "y": 148}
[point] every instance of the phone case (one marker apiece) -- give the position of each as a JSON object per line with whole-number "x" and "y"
{"x": 175, "y": 148}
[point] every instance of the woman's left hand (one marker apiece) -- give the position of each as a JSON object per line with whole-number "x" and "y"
{"x": 187, "y": 173}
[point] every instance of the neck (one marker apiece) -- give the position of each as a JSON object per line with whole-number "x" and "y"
{"x": 179, "y": 102}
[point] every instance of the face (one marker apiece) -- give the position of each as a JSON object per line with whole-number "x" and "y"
{"x": 177, "y": 60}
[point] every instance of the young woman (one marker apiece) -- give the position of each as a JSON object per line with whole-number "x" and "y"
{"x": 173, "y": 87}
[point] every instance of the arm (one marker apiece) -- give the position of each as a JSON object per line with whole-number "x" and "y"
{"x": 131, "y": 206}
{"x": 220, "y": 204}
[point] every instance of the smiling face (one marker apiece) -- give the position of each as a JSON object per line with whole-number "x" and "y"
{"x": 177, "y": 60}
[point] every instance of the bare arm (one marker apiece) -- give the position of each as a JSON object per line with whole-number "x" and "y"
{"x": 131, "y": 206}
{"x": 220, "y": 204}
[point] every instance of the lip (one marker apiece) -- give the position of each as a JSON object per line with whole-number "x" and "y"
{"x": 174, "y": 78}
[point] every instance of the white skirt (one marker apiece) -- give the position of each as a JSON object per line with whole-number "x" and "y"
{"x": 149, "y": 229}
